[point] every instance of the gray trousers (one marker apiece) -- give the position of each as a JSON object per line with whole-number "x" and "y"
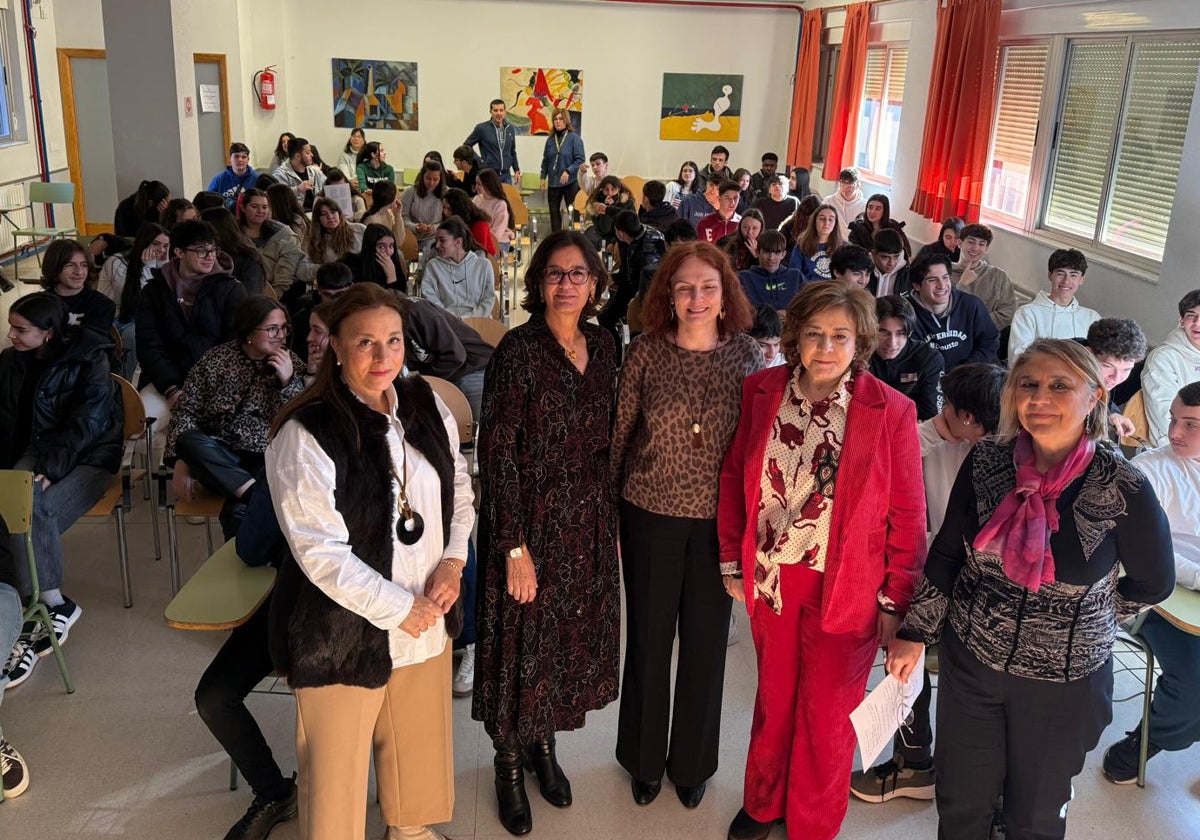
{"x": 54, "y": 511}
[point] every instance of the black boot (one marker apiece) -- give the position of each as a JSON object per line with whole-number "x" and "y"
{"x": 510, "y": 787}
{"x": 540, "y": 759}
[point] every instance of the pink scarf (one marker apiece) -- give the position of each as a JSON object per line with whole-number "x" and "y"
{"x": 1020, "y": 528}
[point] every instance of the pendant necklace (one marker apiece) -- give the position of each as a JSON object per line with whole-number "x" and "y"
{"x": 410, "y": 526}
{"x": 697, "y": 439}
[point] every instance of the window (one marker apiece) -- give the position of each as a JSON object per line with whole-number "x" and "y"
{"x": 1021, "y": 76}
{"x": 1118, "y": 142}
{"x": 826, "y": 75}
{"x": 9, "y": 77}
{"x": 879, "y": 115}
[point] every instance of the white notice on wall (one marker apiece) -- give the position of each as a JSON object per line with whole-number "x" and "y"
{"x": 210, "y": 99}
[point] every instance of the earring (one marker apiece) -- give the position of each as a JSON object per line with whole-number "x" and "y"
{"x": 672, "y": 312}
{"x": 721, "y": 314}
{"x": 339, "y": 361}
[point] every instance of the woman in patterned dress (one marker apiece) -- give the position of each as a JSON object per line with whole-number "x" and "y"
{"x": 822, "y": 530}
{"x": 678, "y": 406}
{"x": 548, "y": 615}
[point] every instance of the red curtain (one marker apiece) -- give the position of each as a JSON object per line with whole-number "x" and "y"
{"x": 847, "y": 91}
{"x": 805, "y": 93}
{"x": 958, "y": 118}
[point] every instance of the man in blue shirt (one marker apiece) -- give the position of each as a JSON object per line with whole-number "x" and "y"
{"x": 497, "y": 141}
{"x": 238, "y": 176}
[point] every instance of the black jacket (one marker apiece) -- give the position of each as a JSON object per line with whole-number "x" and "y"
{"x": 88, "y": 308}
{"x": 915, "y": 373}
{"x": 660, "y": 217}
{"x": 77, "y": 416}
{"x": 640, "y": 258}
{"x": 860, "y": 234}
{"x": 313, "y": 640}
{"x": 169, "y": 342}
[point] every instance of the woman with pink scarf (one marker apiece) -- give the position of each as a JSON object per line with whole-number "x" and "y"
{"x": 1049, "y": 539}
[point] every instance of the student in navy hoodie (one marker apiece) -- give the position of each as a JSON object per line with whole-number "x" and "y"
{"x": 771, "y": 282}
{"x": 911, "y": 367}
{"x": 238, "y": 176}
{"x": 655, "y": 210}
{"x": 696, "y": 206}
{"x": 955, "y": 323}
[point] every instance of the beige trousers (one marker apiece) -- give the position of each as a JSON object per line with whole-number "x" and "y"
{"x": 407, "y": 723}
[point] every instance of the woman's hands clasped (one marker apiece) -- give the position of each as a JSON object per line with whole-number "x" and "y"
{"x": 444, "y": 582}
{"x": 423, "y": 615}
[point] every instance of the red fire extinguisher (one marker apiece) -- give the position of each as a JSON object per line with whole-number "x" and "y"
{"x": 263, "y": 84}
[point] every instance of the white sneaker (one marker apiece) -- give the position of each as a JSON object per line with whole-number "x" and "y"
{"x": 412, "y": 832}
{"x": 464, "y": 679}
{"x": 13, "y": 770}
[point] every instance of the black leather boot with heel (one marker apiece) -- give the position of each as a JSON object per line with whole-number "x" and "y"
{"x": 541, "y": 760}
{"x": 515, "y": 814}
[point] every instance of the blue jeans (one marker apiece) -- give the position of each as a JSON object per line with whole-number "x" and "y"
{"x": 507, "y": 176}
{"x": 54, "y": 511}
{"x": 129, "y": 338}
{"x": 10, "y": 628}
{"x": 1174, "y": 714}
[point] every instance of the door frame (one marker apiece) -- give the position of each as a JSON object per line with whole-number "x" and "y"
{"x": 219, "y": 60}
{"x": 71, "y": 132}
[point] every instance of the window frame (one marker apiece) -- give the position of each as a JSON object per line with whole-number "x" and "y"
{"x": 866, "y": 174}
{"x": 10, "y": 77}
{"x": 831, "y": 56}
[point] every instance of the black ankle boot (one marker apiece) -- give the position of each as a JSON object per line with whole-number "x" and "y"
{"x": 540, "y": 759}
{"x": 510, "y": 787}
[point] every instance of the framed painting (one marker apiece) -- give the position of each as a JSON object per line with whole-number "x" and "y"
{"x": 532, "y": 93}
{"x": 700, "y": 106}
{"x": 375, "y": 94}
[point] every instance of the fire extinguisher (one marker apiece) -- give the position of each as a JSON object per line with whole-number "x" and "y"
{"x": 263, "y": 85}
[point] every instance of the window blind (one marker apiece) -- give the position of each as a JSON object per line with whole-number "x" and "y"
{"x": 1023, "y": 76}
{"x": 876, "y": 73}
{"x": 1157, "y": 103}
{"x": 899, "y": 71}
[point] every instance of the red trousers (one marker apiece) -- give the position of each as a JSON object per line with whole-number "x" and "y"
{"x": 801, "y": 741}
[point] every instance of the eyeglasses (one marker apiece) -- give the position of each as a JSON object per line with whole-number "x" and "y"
{"x": 555, "y": 276}
{"x": 275, "y": 330}
{"x": 203, "y": 253}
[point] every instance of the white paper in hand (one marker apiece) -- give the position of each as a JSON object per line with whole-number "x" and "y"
{"x": 880, "y": 714}
{"x": 341, "y": 194}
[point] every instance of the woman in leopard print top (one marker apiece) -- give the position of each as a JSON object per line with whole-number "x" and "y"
{"x": 1023, "y": 589}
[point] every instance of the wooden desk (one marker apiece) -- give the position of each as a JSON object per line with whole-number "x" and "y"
{"x": 1182, "y": 609}
{"x": 223, "y": 593}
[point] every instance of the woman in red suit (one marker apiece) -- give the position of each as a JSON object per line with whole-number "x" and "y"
{"x": 821, "y": 522}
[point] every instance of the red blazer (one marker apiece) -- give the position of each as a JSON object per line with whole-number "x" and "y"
{"x": 877, "y": 538}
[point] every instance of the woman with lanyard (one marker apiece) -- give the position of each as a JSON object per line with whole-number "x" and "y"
{"x": 561, "y": 158}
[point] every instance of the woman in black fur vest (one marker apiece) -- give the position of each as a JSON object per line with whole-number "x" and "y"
{"x": 376, "y": 504}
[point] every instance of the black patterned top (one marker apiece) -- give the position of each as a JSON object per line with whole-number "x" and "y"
{"x": 1109, "y": 518}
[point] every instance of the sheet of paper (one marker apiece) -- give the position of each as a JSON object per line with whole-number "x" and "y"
{"x": 341, "y": 194}
{"x": 880, "y": 714}
{"x": 210, "y": 99}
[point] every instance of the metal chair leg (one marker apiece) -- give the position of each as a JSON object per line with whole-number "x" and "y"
{"x": 1147, "y": 696}
{"x": 233, "y": 775}
{"x": 43, "y": 616}
{"x": 173, "y": 549}
{"x": 123, "y": 558}
{"x": 208, "y": 534}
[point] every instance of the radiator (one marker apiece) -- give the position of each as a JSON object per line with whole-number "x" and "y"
{"x": 13, "y": 195}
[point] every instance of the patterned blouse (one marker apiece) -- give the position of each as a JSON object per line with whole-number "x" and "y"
{"x": 800, "y": 468}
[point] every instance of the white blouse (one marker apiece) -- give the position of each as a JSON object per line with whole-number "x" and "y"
{"x": 302, "y": 478}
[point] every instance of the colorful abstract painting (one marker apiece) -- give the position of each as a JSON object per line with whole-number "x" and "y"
{"x": 701, "y": 106}
{"x": 532, "y": 93}
{"x": 375, "y": 94}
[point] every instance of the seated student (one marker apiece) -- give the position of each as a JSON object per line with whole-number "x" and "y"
{"x": 220, "y": 424}
{"x": 280, "y": 156}
{"x": 439, "y": 344}
{"x": 876, "y": 217}
{"x": 976, "y": 275}
{"x": 641, "y": 249}
{"x": 1057, "y": 314}
{"x": 911, "y": 367}
{"x": 14, "y": 772}
{"x": 817, "y": 245}
{"x": 332, "y": 279}
{"x": 62, "y": 421}
{"x": 205, "y": 200}
{"x": 1118, "y": 345}
{"x": 178, "y": 210}
{"x": 68, "y": 272}
{"x": 316, "y": 341}
{"x": 457, "y": 203}
{"x": 890, "y": 276}
{"x": 459, "y": 279}
{"x": 348, "y": 159}
{"x": 102, "y": 248}
{"x": 768, "y": 173}
{"x": 970, "y": 412}
{"x": 698, "y": 206}
{"x": 793, "y": 226}
{"x": 852, "y": 264}
{"x": 329, "y": 238}
{"x": 745, "y": 191}
{"x": 491, "y": 199}
{"x": 148, "y": 252}
{"x": 847, "y": 200}
{"x": 954, "y": 323}
{"x": 1174, "y": 473}
{"x": 725, "y": 220}
{"x": 717, "y": 169}
{"x": 421, "y": 204}
{"x": 656, "y": 211}
{"x": 247, "y": 263}
{"x": 299, "y": 173}
{"x": 775, "y": 204}
{"x": 593, "y": 172}
{"x": 1171, "y": 365}
{"x": 470, "y": 164}
{"x": 742, "y": 245}
{"x": 236, "y": 178}
{"x": 766, "y": 331}
{"x": 800, "y": 184}
{"x": 373, "y": 167}
{"x": 185, "y": 309}
{"x": 385, "y": 209}
{"x": 143, "y": 206}
{"x": 286, "y": 209}
{"x": 681, "y": 230}
{"x": 277, "y": 244}
{"x": 947, "y": 242}
{"x": 771, "y": 283}
{"x": 379, "y": 260}
{"x": 685, "y": 184}
{"x": 604, "y": 203}
{"x": 357, "y": 203}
